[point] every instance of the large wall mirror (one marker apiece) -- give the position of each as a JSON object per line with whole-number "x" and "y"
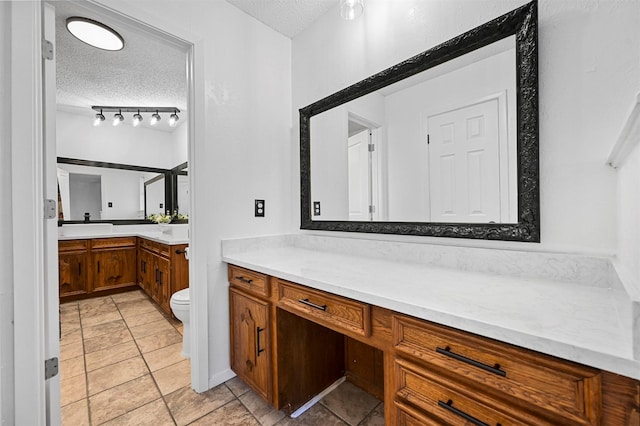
{"x": 443, "y": 144}
{"x": 119, "y": 193}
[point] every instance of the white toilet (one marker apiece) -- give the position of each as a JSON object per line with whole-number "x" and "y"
{"x": 180, "y": 303}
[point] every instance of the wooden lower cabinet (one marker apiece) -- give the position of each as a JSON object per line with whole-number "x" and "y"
{"x": 250, "y": 334}
{"x": 113, "y": 268}
{"x": 433, "y": 375}
{"x": 162, "y": 270}
{"x": 73, "y": 266}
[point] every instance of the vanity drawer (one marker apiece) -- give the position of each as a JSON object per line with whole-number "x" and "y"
{"x": 115, "y": 242}
{"x": 331, "y": 310}
{"x": 159, "y": 248}
{"x": 253, "y": 282}
{"x": 565, "y": 389}
{"x": 72, "y": 245}
{"x": 440, "y": 401}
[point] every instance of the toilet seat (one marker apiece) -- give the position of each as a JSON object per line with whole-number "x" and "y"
{"x": 181, "y": 297}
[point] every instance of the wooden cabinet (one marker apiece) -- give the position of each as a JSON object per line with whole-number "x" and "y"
{"x": 433, "y": 375}
{"x": 162, "y": 270}
{"x": 72, "y": 268}
{"x": 250, "y": 336}
{"x": 113, "y": 261}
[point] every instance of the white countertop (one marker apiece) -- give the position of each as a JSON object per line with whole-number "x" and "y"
{"x": 588, "y": 324}
{"x": 150, "y": 232}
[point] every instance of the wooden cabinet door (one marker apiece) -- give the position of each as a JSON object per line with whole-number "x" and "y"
{"x": 147, "y": 270}
{"x": 250, "y": 354}
{"x": 163, "y": 284}
{"x": 114, "y": 268}
{"x": 72, "y": 274}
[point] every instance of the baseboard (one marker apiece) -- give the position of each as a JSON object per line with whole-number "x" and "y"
{"x": 221, "y": 377}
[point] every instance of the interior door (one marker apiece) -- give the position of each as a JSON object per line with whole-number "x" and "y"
{"x": 464, "y": 164}
{"x": 359, "y": 176}
{"x": 50, "y": 186}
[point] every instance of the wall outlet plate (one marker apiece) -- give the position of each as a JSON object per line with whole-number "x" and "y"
{"x": 259, "y": 208}
{"x": 110, "y": 204}
{"x": 316, "y": 208}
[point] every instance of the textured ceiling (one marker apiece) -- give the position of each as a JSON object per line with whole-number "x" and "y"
{"x": 149, "y": 71}
{"x": 288, "y": 17}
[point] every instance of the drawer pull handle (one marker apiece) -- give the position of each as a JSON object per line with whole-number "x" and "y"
{"x": 313, "y": 305}
{"x": 244, "y": 280}
{"x": 260, "y": 330}
{"x": 449, "y": 406}
{"x": 495, "y": 369}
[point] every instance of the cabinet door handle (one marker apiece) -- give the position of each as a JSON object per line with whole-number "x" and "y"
{"x": 449, "y": 406}
{"x": 157, "y": 276}
{"x": 313, "y": 305}
{"x": 495, "y": 369}
{"x": 79, "y": 268}
{"x": 160, "y": 277}
{"x": 258, "y": 350}
{"x": 98, "y": 266}
{"x": 244, "y": 280}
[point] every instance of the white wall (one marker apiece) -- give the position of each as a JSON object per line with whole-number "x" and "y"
{"x": 77, "y": 137}
{"x": 6, "y": 241}
{"x": 243, "y": 153}
{"x": 629, "y": 215}
{"x": 179, "y": 144}
{"x": 589, "y": 62}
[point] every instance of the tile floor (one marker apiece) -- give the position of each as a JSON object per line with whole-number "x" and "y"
{"x": 120, "y": 364}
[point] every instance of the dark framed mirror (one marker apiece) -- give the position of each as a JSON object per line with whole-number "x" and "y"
{"x": 443, "y": 144}
{"x": 96, "y": 191}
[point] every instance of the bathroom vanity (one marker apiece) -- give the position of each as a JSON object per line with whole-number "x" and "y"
{"x": 90, "y": 266}
{"x": 453, "y": 347}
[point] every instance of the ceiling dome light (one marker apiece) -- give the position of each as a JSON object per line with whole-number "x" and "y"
{"x": 137, "y": 119}
{"x": 99, "y": 119}
{"x": 351, "y": 9}
{"x": 155, "y": 118}
{"x": 118, "y": 118}
{"x": 173, "y": 119}
{"x": 95, "y": 33}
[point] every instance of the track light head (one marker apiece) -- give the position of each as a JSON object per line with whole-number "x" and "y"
{"x": 155, "y": 118}
{"x": 99, "y": 119}
{"x": 137, "y": 119}
{"x": 118, "y": 118}
{"x": 173, "y": 119}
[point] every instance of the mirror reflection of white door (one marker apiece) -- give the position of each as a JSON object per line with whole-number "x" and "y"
{"x": 359, "y": 176}
{"x": 464, "y": 164}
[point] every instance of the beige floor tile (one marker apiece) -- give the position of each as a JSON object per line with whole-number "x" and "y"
{"x": 150, "y": 328}
{"x": 350, "y": 403}
{"x": 95, "y": 307}
{"x": 70, "y": 351}
{"x": 68, "y": 307}
{"x": 136, "y": 307}
{"x": 121, "y": 399}
{"x": 232, "y": 414}
{"x": 101, "y": 319}
{"x": 69, "y": 327}
{"x": 111, "y": 327}
{"x": 144, "y": 318}
{"x": 265, "y": 413}
{"x": 115, "y": 374}
{"x": 71, "y": 337}
{"x": 106, "y": 341}
{"x": 164, "y": 357}
{"x": 157, "y": 341}
{"x": 71, "y": 367}
{"x": 186, "y": 405}
{"x": 69, "y": 316}
{"x": 180, "y": 328}
{"x": 76, "y": 414}
{"x": 111, "y": 355}
{"x": 317, "y": 415}
{"x": 73, "y": 389}
{"x": 237, "y": 386}
{"x": 129, "y": 296}
{"x": 376, "y": 418}
{"x": 174, "y": 377}
{"x": 153, "y": 414}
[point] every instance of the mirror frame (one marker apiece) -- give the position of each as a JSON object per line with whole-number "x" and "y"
{"x": 521, "y": 22}
{"x": 167, "y": 177}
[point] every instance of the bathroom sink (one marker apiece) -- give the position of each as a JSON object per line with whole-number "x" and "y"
{"x": 176, "y": 230}
{"x": 79, "y": 229}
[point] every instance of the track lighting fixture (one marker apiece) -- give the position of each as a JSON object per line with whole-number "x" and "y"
{"x": 137, "y": 116}
{"x": 155, "y": 118}
{"x": 137, "y": 119}
{"x": 99, "y": 119}
{"x": 173, "y": 119}
{"x": 118, "y": 118}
